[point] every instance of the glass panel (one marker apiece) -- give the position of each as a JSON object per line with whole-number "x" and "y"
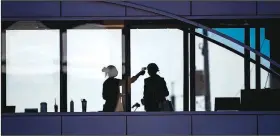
{"x": 252, "y": 75}
{"x": 253, "y": 56}
{"x": 236, "y": 33}
{"x": 235, "y": 73}
{"x": 265, "y": 49}
{"x": 165, "y": 48}
{"x": 227, "y": 72}
{"x": 32, "y": 68}
{"x": 265, "y": 77}
{"x": 253, "y": 42}
{"x": 88, "y": 51}
{"x": 199, "y": 60}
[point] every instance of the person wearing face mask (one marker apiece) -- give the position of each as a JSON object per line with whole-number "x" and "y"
{"x": 111, "y": 87}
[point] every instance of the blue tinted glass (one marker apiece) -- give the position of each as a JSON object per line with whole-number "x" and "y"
{"x": 236, "y": 33}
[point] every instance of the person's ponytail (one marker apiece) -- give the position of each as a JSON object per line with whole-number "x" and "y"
{"x": 105, "y": 70}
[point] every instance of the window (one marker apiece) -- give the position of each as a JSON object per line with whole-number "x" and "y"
{"x": 88, "y": 51}
{"x": 199, "y": 75}
{"x": 227, "y": 68}
{"x": 165, "y": 48}
{"x": 32, "y": 68}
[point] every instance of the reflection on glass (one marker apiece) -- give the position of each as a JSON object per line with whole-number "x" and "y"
{"x": 88, "y": 51}
{"x": 165, "y": 48}
{"x": 32, "y": 68}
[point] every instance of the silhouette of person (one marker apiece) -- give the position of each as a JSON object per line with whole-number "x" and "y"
{"x": 155, "y": 89}
{"x": 111, "y": 87}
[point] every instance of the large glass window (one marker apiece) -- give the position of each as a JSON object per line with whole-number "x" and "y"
{"x": 88, "y": 51}
{"x": 226, "y": 68}
{"x": 165, "y": 48}
{"x": 32, "y": 68}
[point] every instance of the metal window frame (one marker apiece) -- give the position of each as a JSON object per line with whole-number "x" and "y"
{"x": 192, "y": 70}
{"x": 247, "y": 79}
{"x": 126, "y": 64}
{"x": 63, "y": 70}
{"x": 186, "y": 96}
{"x": 258, "y": 59}
{"x": 3, "y": 71}
{"x": 188, "y": 53}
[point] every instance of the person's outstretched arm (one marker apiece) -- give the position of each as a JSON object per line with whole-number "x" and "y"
{"x": 132, "y": 79}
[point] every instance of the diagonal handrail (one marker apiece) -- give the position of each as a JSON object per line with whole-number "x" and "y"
{"x": 234, "y": 51}
{"x": 185, "y": 20}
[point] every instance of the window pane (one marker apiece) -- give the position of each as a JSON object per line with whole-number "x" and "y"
{"x": 165, "y": 48}
{"x": 226, "y": 69}
{"x": 199, "y": 64}
{"x": 32, "y": 68}
{"x": 226, "y": 73}
{"x": 265, "y": 49}
{"x": 88, "y": 51}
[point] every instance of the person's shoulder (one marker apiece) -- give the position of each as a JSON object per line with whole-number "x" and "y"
{"x": 147, "y": 79}
{"x": 106, "y": 81}
{"x": 161, "y": 78}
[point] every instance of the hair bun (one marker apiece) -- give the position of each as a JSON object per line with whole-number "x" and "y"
{"x": 104, "y": 69}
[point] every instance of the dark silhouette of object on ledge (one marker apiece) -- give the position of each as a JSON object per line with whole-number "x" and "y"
{"x": 136, "y": 106}
{"x": 227, "y": 104}
{"x": 43, "y": 107}
{"x": 260, "y": 100}
{"x": 55, "y": 106}
{"x": 111, "y": 87}
{"x": 31, "y": 110}
{"x": 84, "y": 105}
{"x": 9, "y": 109}
{"x": 155, "y": 90}
{"x": 71, "y": 106}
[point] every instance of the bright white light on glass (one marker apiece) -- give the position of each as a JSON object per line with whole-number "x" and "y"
{"x": 88, "y": 51}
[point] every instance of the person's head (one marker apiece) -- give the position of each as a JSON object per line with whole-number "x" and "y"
{"x": 152, "y": 69}
{"x": 111, "y": 71}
